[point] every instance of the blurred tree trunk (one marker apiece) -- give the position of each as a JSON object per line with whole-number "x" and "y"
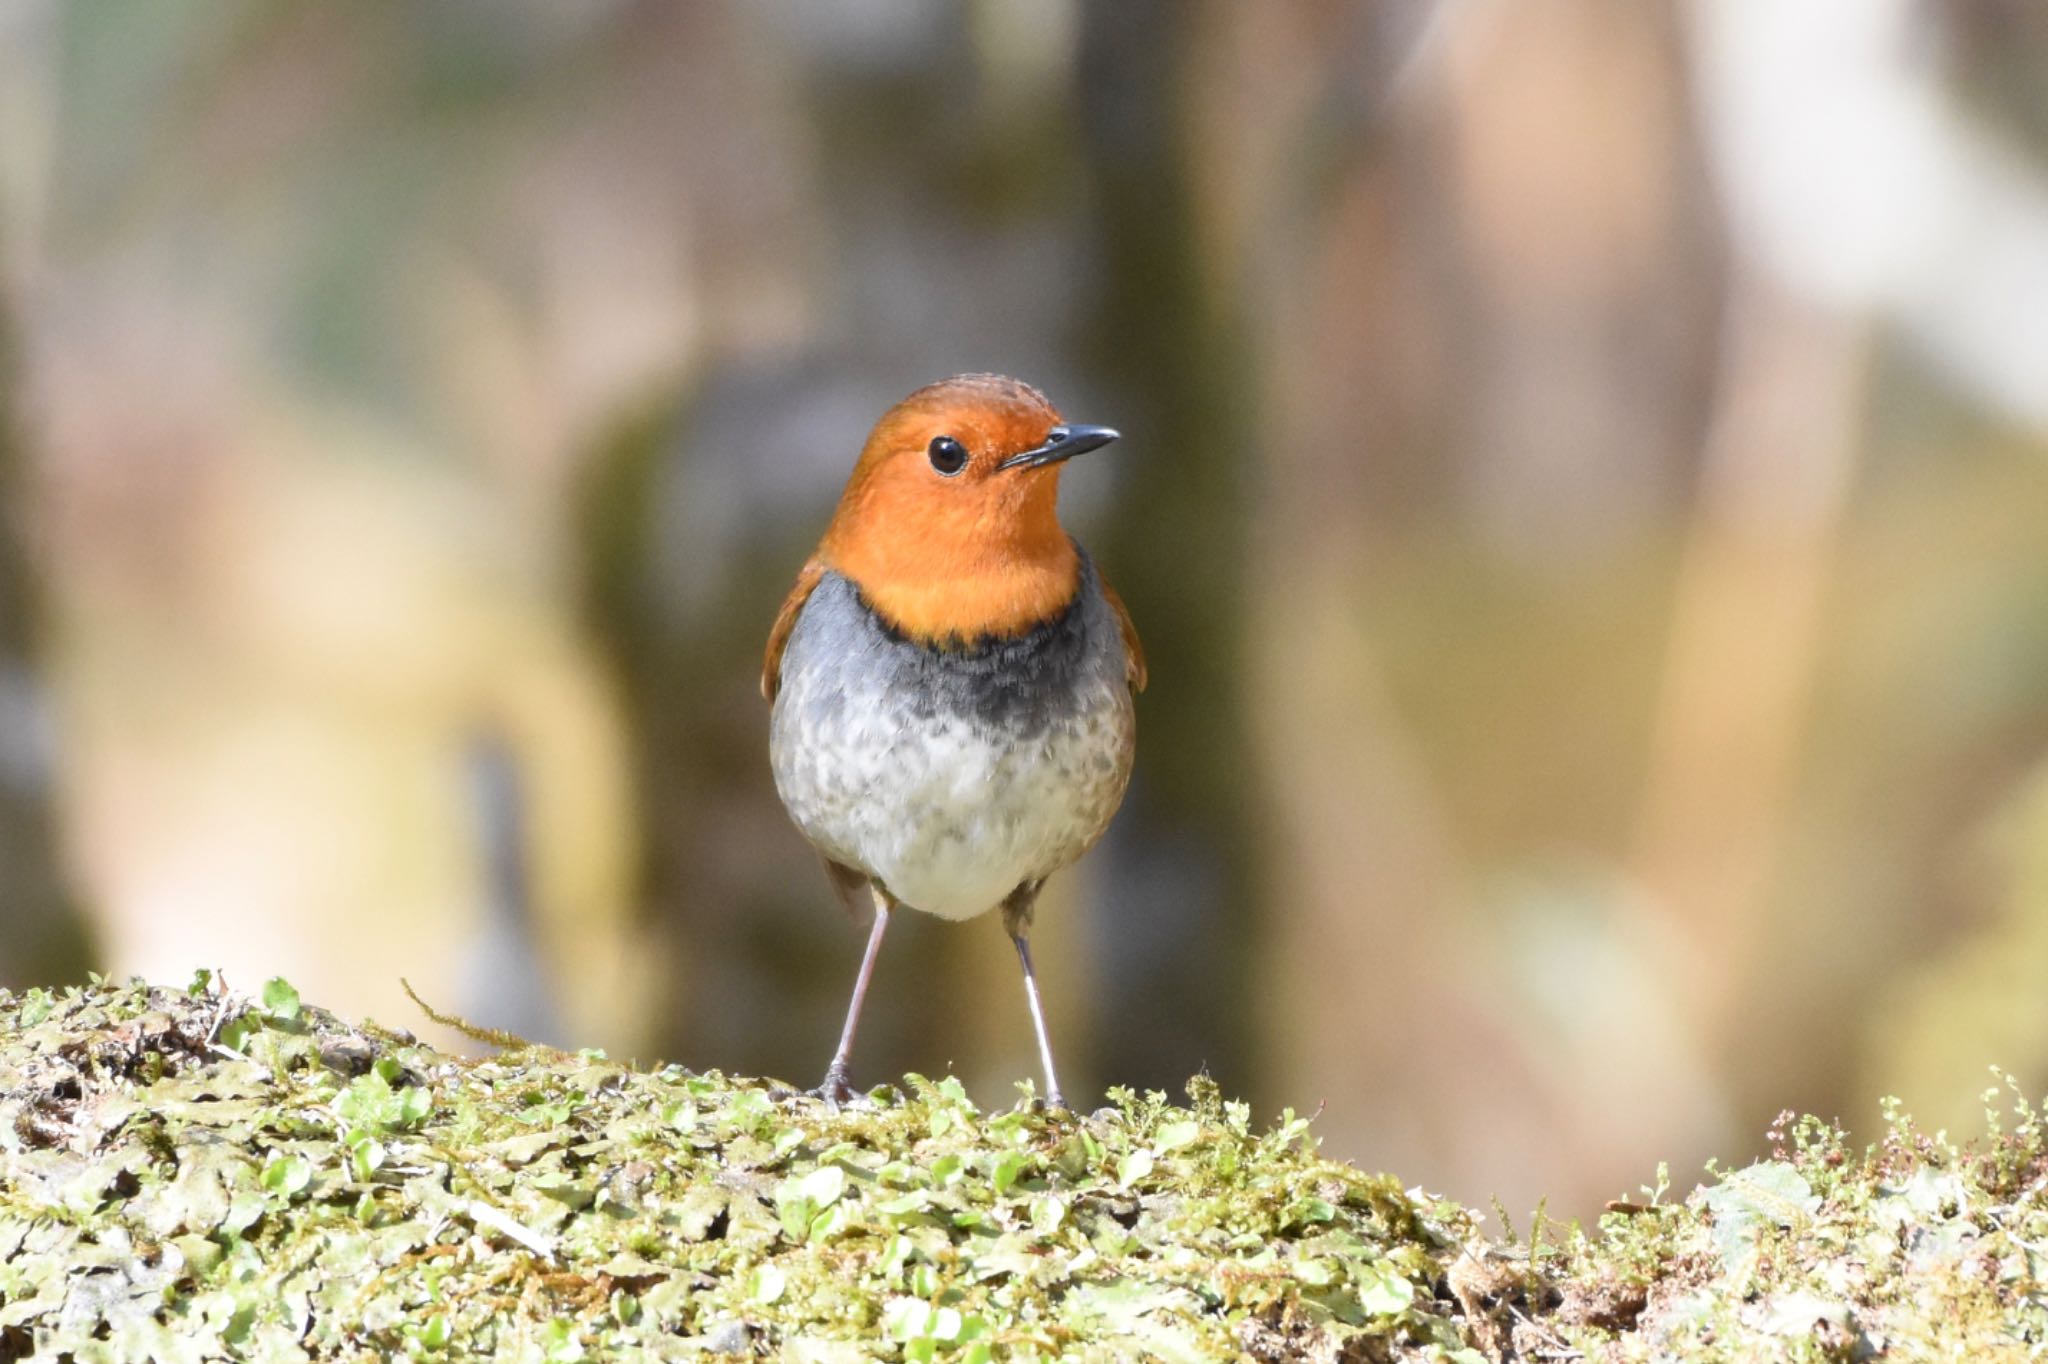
{"x": 41, "y": 940}
{"x": 1178, "y": 920}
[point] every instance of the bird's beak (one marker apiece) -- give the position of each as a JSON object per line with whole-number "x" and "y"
{"x": 1062, "y": 442}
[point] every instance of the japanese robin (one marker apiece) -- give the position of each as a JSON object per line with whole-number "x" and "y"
{"x": 951, "y": 677}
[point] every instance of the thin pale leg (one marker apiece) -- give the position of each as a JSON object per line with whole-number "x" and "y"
{"x": 836, "y": 1090}
{"x": 1053, "y": 1097}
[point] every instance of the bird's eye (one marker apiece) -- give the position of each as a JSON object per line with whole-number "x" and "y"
{"x": 947, "y": 455}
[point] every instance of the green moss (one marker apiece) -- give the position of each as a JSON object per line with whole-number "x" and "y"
{"x": 1914, "y": 1248}
{"x": 196, "y": 1175}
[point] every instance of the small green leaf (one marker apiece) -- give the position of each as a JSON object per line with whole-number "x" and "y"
{"x": 824, "y": 1185}
{"x": 368, "y": 1102}
{"x": 366, "y": 1157}
{"x": 234, "y": 1034}
{"x": 769, "y": 1283}
{"x": 1750, "y": 1201}
{"x": 898, "y": 1255}
{"x": 1311, "y": 1209}
{"x": 829, "y": 1223}
{"x": 280, "y": 1000}
{"x": 1382, "y": 1291}
{"x": 905, "y": 1205}
{"x": 749, "y": 1111}
{"x": 1008, "y": 1166}
{"x": 561, "y": 1343}
{"x": 1175, "y": 1135}
{"x": 1134, "y": 1167}
{"x": 906, "y": 1318}
{"x": 800, "y": 1199}
{"x": 1315, "y": 1273}
{"x": 287, "y": 1175}
{"x": 414, "y": 1105}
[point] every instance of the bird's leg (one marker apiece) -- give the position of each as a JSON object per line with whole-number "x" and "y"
{"x": 836, "y": 1090}
{"x": 1017, "y": 922}
{"x": 1053, "y": 1098}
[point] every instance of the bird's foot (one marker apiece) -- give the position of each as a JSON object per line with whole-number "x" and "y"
{"x": 1049, "y": 1104}
{"x": 835, "y": 1091}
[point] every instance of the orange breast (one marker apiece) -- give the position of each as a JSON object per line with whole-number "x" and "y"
{"x": 956, "y": 569}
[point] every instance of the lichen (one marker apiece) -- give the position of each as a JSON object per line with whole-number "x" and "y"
{"x": 1916, "y": 1247}
{"x": 197, "y": 1174}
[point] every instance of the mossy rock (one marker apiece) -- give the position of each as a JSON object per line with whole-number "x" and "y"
{"x": 195, "y": 1175}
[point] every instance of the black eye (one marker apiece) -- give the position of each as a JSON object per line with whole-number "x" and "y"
{"x": 948, "y": 456}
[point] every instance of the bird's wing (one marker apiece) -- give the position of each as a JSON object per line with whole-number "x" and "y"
{"x": 785, "y": 621}
{"x": 1134, "y": 652}
{"x": 852, "y": 887}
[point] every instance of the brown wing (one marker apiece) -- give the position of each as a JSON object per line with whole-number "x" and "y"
{"x": 778, "y": 637}
{"x": 852, "y": 889}
{"x": 1134, "y": 652}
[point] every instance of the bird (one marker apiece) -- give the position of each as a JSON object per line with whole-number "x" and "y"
{"x": 951, "y": 680}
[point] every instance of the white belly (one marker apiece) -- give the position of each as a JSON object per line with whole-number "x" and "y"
{"x": 951, "y": 777}
{"x": 950, "y": 814}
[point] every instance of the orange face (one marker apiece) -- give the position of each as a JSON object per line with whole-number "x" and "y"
{"x": 949, "y": 523}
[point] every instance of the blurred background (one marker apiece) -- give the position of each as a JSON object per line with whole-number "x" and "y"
{"x": 1584, "y": 493}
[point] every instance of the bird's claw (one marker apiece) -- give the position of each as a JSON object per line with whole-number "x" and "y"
{"x": 835, "y": 1092}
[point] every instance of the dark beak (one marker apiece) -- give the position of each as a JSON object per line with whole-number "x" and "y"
{"x": 1062, "y": 442}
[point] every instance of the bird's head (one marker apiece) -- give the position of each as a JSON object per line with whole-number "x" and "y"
{"x": 949, "y": 524}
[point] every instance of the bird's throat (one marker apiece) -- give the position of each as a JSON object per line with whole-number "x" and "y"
{"x": 948, "y": 567}
{"x": 994, "y": 598}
